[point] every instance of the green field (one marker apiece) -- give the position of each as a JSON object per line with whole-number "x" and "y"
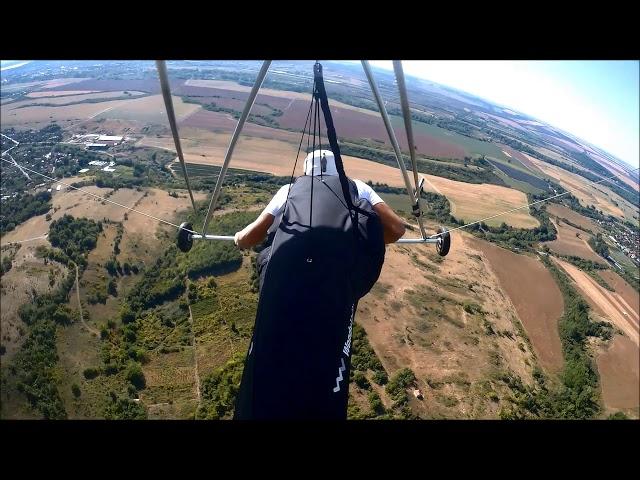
{"x": 518, "y": 185}
{"x": 470, "y": 145}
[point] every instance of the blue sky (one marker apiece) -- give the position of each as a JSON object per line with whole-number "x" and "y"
{"x": 598, "y": 101}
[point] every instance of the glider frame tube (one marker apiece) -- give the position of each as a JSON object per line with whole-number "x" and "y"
{"x": 230, "y": 238}
{"x": 236, "y": 134}
{"x": 392, "y": 137}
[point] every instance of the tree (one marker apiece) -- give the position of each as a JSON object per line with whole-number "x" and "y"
{"x": 126, "y": 314}
{"x": 112, "y": 288}
{"x": 135, "y": 375}
{"x": 90, "y": 373}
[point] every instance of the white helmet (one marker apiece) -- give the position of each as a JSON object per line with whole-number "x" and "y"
{"x": 322, "y": 161}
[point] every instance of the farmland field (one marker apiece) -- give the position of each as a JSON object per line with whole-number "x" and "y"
{"x": 561, "y": 212}
{"x": 572, "y": 241}
{"x": 619, "y": 372}
{"x": 149, "y": 110}
{"x": 57, "y": 100}
{"x": 597, "y": 195}
{"x": 415, "y": 317}
{"x": 61, "y": 93}
{"x": 44, "y": 115}
{"x": 535, "y": 296}
{"x": 468, "y": 201}
{"x": 522, "y": 176}
{"x": 610, "y": 305}
{"x": 163, "y": 333}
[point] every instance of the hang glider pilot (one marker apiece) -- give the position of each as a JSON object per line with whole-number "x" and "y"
{"x": 254, "y": 233}
{"x": 317, "y": 266}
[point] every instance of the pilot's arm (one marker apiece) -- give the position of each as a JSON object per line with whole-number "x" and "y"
{"x": 255, "y": 232}
{"x": 393, "y": 225}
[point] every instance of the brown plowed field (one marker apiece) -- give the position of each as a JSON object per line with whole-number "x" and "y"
{"x": 150, "y": 85}
{"x": 561, "y": 211}
{"x": 569, "y": 243}
{"x": 619, "y": 374}
{"x": 535, "y": 296}
{"x": 355, "y": 124}
{"x": 352, "y": 122}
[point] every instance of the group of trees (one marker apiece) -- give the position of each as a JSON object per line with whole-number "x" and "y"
{"x": 36, "y": 360}
{"x": 599, "y": 246}
{"x": 220, "y": 389}
{"x": 21, "y": 208}
{"x": 74, "y": 236}
{"x": 481, "y": 173}
{"x": 578, "y": 395}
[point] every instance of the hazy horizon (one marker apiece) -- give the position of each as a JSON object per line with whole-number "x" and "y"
{"x": 596, "y": 101}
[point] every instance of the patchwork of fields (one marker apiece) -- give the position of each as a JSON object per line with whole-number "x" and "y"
{"x": 464, "y": 321}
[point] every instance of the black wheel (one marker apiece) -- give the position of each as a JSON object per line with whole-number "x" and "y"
{"x": 444, "y": 242}
{"x": 185, "y": 242}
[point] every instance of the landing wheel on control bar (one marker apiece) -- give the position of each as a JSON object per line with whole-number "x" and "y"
{"x": 444, "y": 242}
{"x": 185, "y": 240}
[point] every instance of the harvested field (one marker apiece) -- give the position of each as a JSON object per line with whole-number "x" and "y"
{"x": 62, "y": 82}
{"x": 69, "y": 99}
{"x": 614, "y": 168}
{"x": 597, "y": 195}
{"x": 414, "y": 317}
{"x": 610, "y": 305}
{"x": 160, "y": 204}
{"x": 525, "y": 160}
{"x": 572, "y": 241}
{"x": 31, "y": 115}
{"x": 351, "y": 122}
{"x": 561, "y": 212}
{"x": 619, "y": 374}
{"x": 149, "y": 109}
{"x": 60, "y": 93}
{"x": 469, "y": 201}
{"x": 535, "y": 296}
{"x": 622, "y": 288}
{"x": 149, "y": 85}
{"x": 232, "y": 103}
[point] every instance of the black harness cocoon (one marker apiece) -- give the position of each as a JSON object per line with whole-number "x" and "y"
{"x": 312, "y": 277}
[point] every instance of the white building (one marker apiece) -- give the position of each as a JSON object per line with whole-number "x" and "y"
{"x": 109, "y": 138}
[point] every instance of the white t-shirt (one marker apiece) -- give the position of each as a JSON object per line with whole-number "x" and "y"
{"x": 365, "y": 192}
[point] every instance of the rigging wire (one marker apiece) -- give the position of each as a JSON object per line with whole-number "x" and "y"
{"x": 525, "y": 206}
{"x": 193, "y": 232}
{"x": 171, "y": 115}
{"x": 93, "y": 194}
